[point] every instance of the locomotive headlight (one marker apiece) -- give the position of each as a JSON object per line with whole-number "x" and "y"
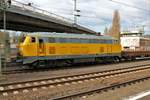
{"x": 20, "y": 49}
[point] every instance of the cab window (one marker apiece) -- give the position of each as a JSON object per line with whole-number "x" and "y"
{"x": 41, "y": 41}
{"x": 22, "y": 39}
{"x": 33, "y": 40}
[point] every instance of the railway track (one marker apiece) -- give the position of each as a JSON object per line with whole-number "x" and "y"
{"x": 31, "y": 70}
{"x": 99, "y": 90}
{"x": 34, "y": 85}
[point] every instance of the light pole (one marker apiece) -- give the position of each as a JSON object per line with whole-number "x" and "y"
{"x": 76, "y": 11}
{"x": 75, "y": 8}
{"x": 0, "y": 64}
{"x": 4, "y": 28}
{"x": 4, "y": 23}
{"x": 1, "y": 8}
{"x": 143, "y": 28}
{"x": 4, "y": 5}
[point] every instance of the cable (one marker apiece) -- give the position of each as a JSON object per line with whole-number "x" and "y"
{"x": 132, "y": 6}
{"x": 98, "y": 16}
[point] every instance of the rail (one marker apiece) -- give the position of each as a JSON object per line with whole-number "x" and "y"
{"x": 9, "y": 88}
{"x": 99, "y": 90}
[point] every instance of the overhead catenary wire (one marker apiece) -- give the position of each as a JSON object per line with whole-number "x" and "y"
{"x": 128, "y": 5}
{"x": 85, "y": 13}
{"x": 68, "y": 12}
{"x": 96, "y": 16}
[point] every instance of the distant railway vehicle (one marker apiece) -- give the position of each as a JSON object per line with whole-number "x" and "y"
{"x": 49, "y": 49}
{"x": 135, "y": 46}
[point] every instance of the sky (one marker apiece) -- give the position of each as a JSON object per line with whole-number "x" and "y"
{"x": 97, "y": 14}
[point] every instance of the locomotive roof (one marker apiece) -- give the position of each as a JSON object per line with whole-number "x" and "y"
{"x": 70, "y": 35}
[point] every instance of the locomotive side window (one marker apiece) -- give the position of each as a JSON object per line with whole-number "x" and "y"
{"x": 117, "y": 41}
{"x": 33, "y": 40}
{"x": 110, "y": 41}
{"x": 41, "y": 41}
{"x": 101, "y": 41}
{"x": 74, "y": 40}
{"x": 44, "y": 40}
{"x": 62, "y": 40}
{"x": 51, "y": 40}
{"x": 77, "y": 40}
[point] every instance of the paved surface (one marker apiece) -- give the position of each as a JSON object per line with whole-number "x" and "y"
{"x": 145, "y": 98}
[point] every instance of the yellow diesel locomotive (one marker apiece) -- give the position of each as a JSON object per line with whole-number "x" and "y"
{"x": 56, "y": 48}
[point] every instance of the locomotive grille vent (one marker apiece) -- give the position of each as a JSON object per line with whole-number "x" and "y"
{"x": 52, "y": 50}
{"x": 101, "y": 49}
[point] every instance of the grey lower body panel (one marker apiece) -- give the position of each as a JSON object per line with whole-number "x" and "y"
{"x": 28, "y": 60}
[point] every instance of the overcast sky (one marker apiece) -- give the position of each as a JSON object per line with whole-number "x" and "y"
{"x": 97, "y": 14}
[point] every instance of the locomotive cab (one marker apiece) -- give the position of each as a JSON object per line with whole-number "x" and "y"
{"x": 28, "y": 46}
{"x": 32, "y": 46}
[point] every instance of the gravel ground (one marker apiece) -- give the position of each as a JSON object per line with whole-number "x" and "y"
{"x": 71, "y": 71}
{"x": 51, "y": 92}
{"x": 124, "y": 92}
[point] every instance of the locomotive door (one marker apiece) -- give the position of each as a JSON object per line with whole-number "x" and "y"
{"x": 109, "y": 49}
{"x": 41, "y": 46}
